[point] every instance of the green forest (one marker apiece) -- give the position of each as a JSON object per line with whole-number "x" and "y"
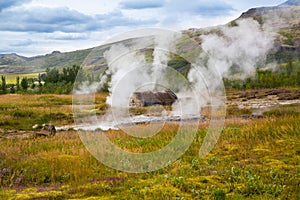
{"x": 53, "y": 81}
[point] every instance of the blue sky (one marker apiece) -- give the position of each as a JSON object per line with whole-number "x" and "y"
{"x": 36, "y": 27}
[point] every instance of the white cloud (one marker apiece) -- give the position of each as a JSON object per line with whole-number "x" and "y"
{"x": 41, "y": 26}
{"x": 5, "y": 4}
{"x": 141, "y": 4}
{"x": 89, "y": 7}
{"x": 199, "y": 7}
{"x": 245, "y": 5}
{"x": 67, "y": 36}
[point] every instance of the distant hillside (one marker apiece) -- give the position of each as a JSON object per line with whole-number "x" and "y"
{"x": 13, "y": 63}
{"x": 291, "y": 3}
{"x": 283, "y": 16}
{"x": 8, "y": 59}
{"x": 283, "y": 20}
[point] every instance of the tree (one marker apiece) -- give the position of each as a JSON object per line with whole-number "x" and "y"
{"x": 40, "y": 80}
{"x": 32, "y": 86}
{"x": 18, "y": 83}
{"x": 3, "y": 84}
{"x": 52, "y": 76}
{"x": 12, "y": 89}
{"x": 24, "y": 83}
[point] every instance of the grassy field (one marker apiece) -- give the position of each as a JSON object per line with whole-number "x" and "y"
{"x": 21, "y": 112}
{"x": 253, "y": 159}
{"x": 12, "y": 78}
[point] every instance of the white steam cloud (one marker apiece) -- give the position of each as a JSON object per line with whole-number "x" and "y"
{"x": 140, "y": 64}
{"x": 130, "y": 71}
{"x": 240, "y": 49}
{"x": 243, "y": 47}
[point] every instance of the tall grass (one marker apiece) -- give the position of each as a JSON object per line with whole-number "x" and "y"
{"x": 21, "y": 112}
{"x": 258, "y": 159}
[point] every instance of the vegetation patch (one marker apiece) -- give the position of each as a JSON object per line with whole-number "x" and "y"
{"x": 254, "y": 160}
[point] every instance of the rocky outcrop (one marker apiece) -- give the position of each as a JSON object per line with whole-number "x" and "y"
{"x": 283, "y": 21}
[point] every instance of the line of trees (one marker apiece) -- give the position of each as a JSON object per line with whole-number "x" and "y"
{"x": 62, "y": 81}
{"x": 18, "y": 87}
{"x": 53, "y": 81}
{"x": 59, "y": 82}
{"x": 284, "y": 76}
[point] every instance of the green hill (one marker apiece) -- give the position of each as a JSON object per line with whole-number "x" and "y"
{"x": 283, "y": 20}
{"x": 13, "y": 63}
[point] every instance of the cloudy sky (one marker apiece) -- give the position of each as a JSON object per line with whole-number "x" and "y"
{"x": 36, "y": 27}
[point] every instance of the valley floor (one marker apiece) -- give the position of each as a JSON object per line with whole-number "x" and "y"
{"x": 256, "y": 156}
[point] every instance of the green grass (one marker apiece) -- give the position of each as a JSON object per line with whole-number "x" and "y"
{"x": 284, "y": 111}
{"x": 21, "y": 112}
{"x": 254, "y": 160}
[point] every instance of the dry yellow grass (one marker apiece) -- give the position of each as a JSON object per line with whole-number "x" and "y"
{"x": 253, "y": 159}
{"x": 12, "y": 78}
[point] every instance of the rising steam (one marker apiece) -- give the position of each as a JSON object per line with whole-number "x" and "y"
{"x": 230, "y": 52}
{"x": 141, "y": 64}
{"x": 242, "y": 48}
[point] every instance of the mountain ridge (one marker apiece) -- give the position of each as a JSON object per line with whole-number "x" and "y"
{"x": 284, "y": 20}
{"x": 287, "y": 29}
{"x": 291, "y": 3}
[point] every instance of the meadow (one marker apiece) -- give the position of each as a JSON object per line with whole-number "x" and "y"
{"x": 12, "y": 78}
{"x": 255, "y": 158}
